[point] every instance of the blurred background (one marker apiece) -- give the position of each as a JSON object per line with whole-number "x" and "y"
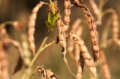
{"x": 50, "y": 58}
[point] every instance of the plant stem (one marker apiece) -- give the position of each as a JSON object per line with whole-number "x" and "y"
{"x": 42, "y": 47}
{"x": 7, "y": 22}
{"x": 38, "y": 52}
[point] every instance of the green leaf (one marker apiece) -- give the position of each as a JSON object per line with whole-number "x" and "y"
{"x": 49, "y": 26}
{"x": 49, "y": 18}
{"x": 54, "y": 21}
{"x": 52, "y": 7}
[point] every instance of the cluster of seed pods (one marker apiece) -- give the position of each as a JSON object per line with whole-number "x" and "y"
{"x": 62, "y": 41}
{"x": 5, "y": 41}
{"x": 74, "y": 49}
{"x": 81, "y": 53}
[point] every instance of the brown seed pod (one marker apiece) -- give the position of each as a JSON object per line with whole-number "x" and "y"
{"x": 104, "y": 65}
{"x": 31, "y": 25}
{"x": 115, "y": 24}
{"x": 40, "y": 69}
{"x": 93, "y": 32}
{"x": 51, "y": 75}
{"x": 96, "y": 11}
{"x": 62, "y": 41}
{"x": 78, "y": 32}
{"x": 80, "y": 67}
{"x": 78, "y": 57}
{"x": 4, "y": 63}
{"x": 115, "y": 28}
{"x": 70, "y": 43}
{"x": 67, "y": 12}
{"x": 85, "y": 54}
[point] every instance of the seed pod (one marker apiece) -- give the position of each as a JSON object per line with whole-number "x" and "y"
{"x": 78, "y": 57}
{"x": 96, "y": 11}
{"x": 93, "y": 32}
{"x": 80, "y": 67}
{"x": 51, "y": 75}
{"x": 104, "y": 65}
{"x": 26, "y": 51}
{"x": 85, "y": 54}
{"x": 31, "y": 26}
{"x": 115, "y": 28}
{"x": 62, "y": 40}
{"x": 67, "y": 12}
{"x": 40, "y": 69}
{"x": 70, "y": 46}
{"x": 78, "y": 32}
{"x": 4, "y": 63}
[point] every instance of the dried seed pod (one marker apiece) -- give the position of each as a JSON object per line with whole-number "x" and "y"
{"x": 67, "y": 12}
{"x": 4, "y": 44}
{"x": 51, "y": 75}
{"x": 4, "y": 63}
{"x": 62, "y": 40}
{"x": 27, "y": 54}
{"x": 93, "y": 32}
{"x": 70, "y": 46}
{"x": 80, "y": 67}
{"x": 115, "y": 28}
{"x": 31, "y": 26}
{"x": 78, "y": 57}
{"x": 95, "y": 10}
{"x": 77, "y": 53}
{"x": 115, "y": 25}
{"x": 78, "y": 32}
{"x": 40, "y": 69}
{"x": 85, "y": 54}
{"x": 104, "y": 65}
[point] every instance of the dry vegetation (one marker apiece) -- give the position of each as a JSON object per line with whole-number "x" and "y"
{"x": 100, "y": 36}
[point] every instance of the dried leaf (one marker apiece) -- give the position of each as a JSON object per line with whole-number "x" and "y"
{"x": 19, "y": 65}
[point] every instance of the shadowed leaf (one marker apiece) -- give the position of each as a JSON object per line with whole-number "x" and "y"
{"x": 19, "y": 65}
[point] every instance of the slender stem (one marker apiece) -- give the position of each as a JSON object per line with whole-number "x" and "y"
{"x": 31, "y": 76}
{"x": 7, "y": 22}
{"x": 38, "y": 52}
{"x": 47, "y": 45}
{"x": 23, "y": 77}
{"x": 42, "y": 47}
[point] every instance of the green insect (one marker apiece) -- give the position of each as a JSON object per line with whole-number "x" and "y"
{"x": 51, "y": 21}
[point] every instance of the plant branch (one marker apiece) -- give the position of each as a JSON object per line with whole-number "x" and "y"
{"x": 42, "y": 47}
{"x": 38, "y": 52}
